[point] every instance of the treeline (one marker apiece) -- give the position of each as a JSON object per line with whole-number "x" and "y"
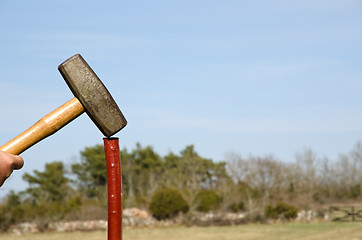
{"x": 252, "y": 184}
{"x": 307, "y": 182}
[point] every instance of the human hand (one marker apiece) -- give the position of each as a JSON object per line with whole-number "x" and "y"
{"x": 8, "y": 163}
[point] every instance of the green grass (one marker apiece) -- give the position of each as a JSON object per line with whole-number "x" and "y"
{"x": 297, "y": 231}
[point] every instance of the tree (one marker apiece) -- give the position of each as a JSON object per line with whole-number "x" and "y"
{"x": 257, "y": 178}
{"x": 307, "y": 166}
{"x": 142, "y": 174}
{"x": 190, "y": 172}
{"x": 49, "y": 194}
{"x": 91, "y": 171}
{"x": 11, "y": 211}
{"x": 50, "y": 185}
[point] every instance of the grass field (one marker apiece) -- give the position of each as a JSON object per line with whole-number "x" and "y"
{"x": 298, "y": 231}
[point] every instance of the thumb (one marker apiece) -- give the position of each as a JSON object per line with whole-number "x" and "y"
{"x": 18, "y": 162}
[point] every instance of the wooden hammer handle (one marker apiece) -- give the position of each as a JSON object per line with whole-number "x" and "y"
{"x": 45, "y": 127}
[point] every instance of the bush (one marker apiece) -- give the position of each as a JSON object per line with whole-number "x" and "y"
{"x": 236, "y": 207}
{"x": 233, "y": 207}
{"x": 207, "y": 200}
{"x": 166, "y": 203}
{"x": 281, "y": 210}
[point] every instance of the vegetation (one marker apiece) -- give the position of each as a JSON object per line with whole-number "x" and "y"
{"x": 281, "y": 210}
{"x": 300, "y": 231}
{"x": 91, "y": 172}
{"x": 207, "y": 200}
{"x": 253, "y": 184}
{"x": 166, "y": 203}
{"x": 236, "y": 207}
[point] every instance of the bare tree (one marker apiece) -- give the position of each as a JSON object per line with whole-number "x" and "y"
{"x": 262, "y": 174}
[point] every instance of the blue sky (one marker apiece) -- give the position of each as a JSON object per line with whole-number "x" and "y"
{"x": 251, "y": 77}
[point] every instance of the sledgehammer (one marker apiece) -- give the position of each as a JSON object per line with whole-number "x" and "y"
{"x": 91, "y": 96}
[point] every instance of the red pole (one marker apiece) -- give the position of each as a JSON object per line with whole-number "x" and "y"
{"x": 114, "y": 181}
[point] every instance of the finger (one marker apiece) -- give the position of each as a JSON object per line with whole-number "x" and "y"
{"x": 2, "y": 181}
{"x": 18, "y": 162}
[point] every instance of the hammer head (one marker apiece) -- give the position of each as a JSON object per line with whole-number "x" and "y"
{"x": 93, "y": 95}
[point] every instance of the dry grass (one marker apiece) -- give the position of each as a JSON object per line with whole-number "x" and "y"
{"x": 58, "y": 236}
{"x": 312, "y": 231}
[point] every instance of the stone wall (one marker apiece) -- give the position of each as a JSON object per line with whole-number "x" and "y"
{"x": 134, "y": 217}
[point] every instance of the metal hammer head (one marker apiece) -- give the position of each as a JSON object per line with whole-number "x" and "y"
{"x": 93, "y": 95}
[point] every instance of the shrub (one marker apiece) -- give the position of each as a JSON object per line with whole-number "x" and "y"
{"x": 233, "y": 207}
{"x": 236, "y": 207}
{"x": 207, "y": 200}
{"x": 281, "y": 210}
{"x": 166, "y": 203}
{"x": 270, "y": 212}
